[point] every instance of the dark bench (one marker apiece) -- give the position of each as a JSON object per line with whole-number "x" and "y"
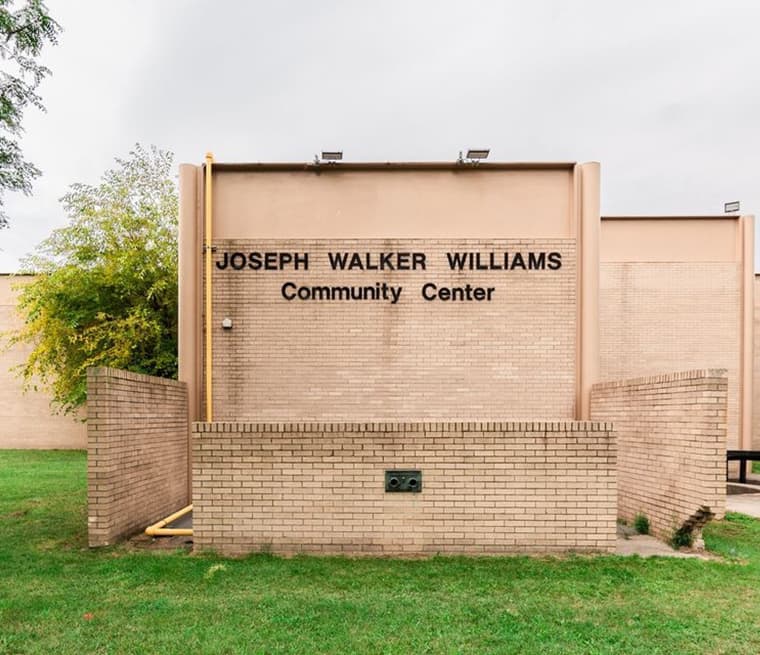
{"x": 742, "y": 456}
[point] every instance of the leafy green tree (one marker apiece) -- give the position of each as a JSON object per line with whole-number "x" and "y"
{"x": 24, "y": 30}
{"x": 106, "y": 287}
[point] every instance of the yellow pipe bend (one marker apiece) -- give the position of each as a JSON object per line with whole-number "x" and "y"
{"x": 159, "y": 529}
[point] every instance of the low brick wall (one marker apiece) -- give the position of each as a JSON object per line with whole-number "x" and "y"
{"x": 137, "y": 452}
{"x": 671, "y": 435}
{"x": 540, "y": 487}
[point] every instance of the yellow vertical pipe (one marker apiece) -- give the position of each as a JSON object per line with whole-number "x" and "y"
{"x": 207, "y": 253}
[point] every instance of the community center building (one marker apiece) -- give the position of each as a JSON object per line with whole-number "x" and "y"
{"x": 432, "y": 357}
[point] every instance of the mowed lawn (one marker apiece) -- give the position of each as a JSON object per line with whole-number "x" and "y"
{"x": 56, "y": 596}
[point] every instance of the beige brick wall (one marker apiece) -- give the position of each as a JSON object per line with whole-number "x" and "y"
{"x": 137, "y": 452}
{"x": 26, "y": 418}
{"x": 671, "y": 438}
{"x": 538, "y": 487}
{"x": 756, "y": 370}
{"x": 657, "y": 316}
{"x": 513, "y": 357}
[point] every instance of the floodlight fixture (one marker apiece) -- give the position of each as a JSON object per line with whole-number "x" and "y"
{"x": 731, "y": 207}
{"x": 332, "y": 155}
{"x": 476, "y": 154}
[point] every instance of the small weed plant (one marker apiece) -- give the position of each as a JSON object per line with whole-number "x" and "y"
{"x": 682, "y": 539}
{"x": 641, "y": 524}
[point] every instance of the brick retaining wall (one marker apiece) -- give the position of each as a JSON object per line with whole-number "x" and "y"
{"x": 137, "y": 452}
{"x": 537, "y": 487}
{"x": 671, "y": 435}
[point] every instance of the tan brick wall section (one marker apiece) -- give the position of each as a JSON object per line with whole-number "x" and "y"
{"x": 671, "y": 438}
{"x": 756, "y": 370}
{"x": 26, "y": 418}
{"x": 417, "y": 360}
{"x": 657, "y": 317}
{"x": 137, "y": 452}
{"x": 539, "y": 487}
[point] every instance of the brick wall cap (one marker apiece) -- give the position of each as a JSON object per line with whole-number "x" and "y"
{"x": 448, "y": 426}
{"x": 120, "y": 374}
{"x": 663, "y": 378}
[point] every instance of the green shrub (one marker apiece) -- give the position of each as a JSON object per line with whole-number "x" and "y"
{"x": 641, "y": 524}
{"x": 682, "y": 539}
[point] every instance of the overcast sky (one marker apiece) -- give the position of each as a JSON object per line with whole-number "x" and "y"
{"x": 665, "y": 94}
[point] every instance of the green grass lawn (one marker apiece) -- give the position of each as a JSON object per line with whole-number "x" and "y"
{"x": 56, "y": 596}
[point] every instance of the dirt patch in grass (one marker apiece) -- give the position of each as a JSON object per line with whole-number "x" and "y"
{"x": 142, "y": 541}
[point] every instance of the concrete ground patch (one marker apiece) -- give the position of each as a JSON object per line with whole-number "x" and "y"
{"x": 645, "y": 545}
{"x": 744, "y": 498}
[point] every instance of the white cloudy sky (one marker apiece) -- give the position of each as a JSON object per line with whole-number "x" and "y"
{"x": 665, "y": 94}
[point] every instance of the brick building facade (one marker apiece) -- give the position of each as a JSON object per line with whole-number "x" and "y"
{"x": 480, "y": 327}
{"x": 341, "y": 321}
